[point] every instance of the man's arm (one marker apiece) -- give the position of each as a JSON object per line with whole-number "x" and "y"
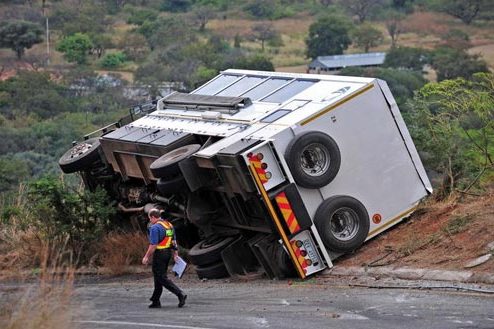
{"x": 149, "y": 253}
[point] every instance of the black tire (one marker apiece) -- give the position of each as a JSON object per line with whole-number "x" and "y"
{"x": 343, "y": 223}
{"x": 167, "y": 164}
{"x": 172, "y": 186}
{"x": 215, "y": 271}
{"x": 208, "y": 251}
{"x": 80, "y": 156}
{"x": 314, "y": 159}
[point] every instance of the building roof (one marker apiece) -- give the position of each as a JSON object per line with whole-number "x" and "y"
{"x": 340, "y": 61}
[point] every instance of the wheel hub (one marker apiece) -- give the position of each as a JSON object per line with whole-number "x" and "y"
{"x": 315, "y": 160}
{"x": 344, "y": 224}
{"x": 80, "y": 149}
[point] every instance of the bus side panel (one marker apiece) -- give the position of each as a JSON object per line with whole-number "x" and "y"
{"x": 376, "y": 167}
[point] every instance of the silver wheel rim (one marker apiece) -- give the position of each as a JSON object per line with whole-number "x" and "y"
{"x": 344, "y": 224}
{"x": 80, "y": 149}
{"x": 315, "y": 159}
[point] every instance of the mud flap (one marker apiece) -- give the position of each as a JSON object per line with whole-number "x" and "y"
{"x": 272, "y": 257}
{"x": 238, "y": 257}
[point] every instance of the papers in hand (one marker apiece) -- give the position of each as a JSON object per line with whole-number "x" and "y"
{"x": 179, "y": 267}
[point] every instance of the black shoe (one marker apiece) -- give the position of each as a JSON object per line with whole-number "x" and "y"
{"x": 181, "y": 300}
{"x": 155, "y": 305}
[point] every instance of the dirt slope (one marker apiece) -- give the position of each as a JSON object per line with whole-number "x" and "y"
{"x": 446, "y": 235}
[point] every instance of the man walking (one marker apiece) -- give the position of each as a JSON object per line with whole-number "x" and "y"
{"x": 162, "y": 243}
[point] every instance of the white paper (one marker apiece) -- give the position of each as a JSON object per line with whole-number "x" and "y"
{"x": 179, "y": 266}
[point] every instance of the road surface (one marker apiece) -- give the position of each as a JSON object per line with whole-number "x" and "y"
{"x": 262, "y": 303}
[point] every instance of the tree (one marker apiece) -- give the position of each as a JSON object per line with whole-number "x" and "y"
{"x": 360, "y": 8}
{"x": 451, "y": 121}
{"x": 366, "y": 36}
{"x": 175, "y": 6}
{"x": 203, "y": 14}
{"x": 326, "y": 3}
{"x": 394, "y": 25}
{"x": 12, "y": 172}
{"x": 255, "y": 62}
{"x": 452, "y": 63}
{"x": 466, "y": 10}
{"x": 328, "y": 36}
{"x": 86, "y": 17}
{"x": 100, "y": 43}
{"x": 263, "y": 32}
{"x": 134, "y": 46}
{"x": 237, "y": 40}
{"x": 139, "y": 16}
{"x": 403, "y": 83}
{"x": 19, "y": 36}
{"x": 407, "y": 58}
{"x": 32, "y": 94}
{"x": 75, "y": 47}
{"x": 165, "y": 31}
{"x": 261, "y": 8}
{"x": 456, "y": 39}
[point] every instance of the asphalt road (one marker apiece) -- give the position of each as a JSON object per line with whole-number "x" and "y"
{"x": 261, "y": 303}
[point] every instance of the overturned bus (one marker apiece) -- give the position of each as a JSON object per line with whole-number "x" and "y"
{"x": 263, "y": 170}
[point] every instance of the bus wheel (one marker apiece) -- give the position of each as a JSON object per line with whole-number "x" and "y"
{"x": 314, "y": 159}
{"x": 208, "y": 251}
{"x": 167, "y": 164}
{"x": 214, "y": 271}
{"x": 343, "y": 223}
{"x": 80, "y": 156}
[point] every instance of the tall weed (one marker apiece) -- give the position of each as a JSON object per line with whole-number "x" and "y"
{"x": 45, "y": 304}
{"x": 120, "y": 249}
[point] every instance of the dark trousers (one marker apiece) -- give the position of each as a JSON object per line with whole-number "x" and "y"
{"x": 161, "y": 258}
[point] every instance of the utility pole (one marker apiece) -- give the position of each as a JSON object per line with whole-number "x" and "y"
{"x": 47, "y": 41}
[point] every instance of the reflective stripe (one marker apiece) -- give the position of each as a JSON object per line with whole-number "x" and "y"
{"x": 287, "y": 212}
{"x": 167, "y": 240}
{"x": 276, "y": 221}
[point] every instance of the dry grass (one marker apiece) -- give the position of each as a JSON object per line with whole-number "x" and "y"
{"x": 293, "y": 33}
{"x": 119, "y": 250}
{"x": 486, "y": 51}
{"x": 45, "y": 304}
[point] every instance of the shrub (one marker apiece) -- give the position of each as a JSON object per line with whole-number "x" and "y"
{"x": 113, "y": 60}
{"x": 139, "y": 16}
{"x": 59, "y": 212}
{"x": 451, "y": 122}
{"x": 451, "y": 63}
{"x": 407, "y": 58}
{"x": 260, "y": 8}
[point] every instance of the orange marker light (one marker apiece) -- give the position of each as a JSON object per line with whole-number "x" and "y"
{"x": 376, "y": 218}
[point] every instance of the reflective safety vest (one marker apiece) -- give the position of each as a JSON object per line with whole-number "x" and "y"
{"x": 167, "y": 240}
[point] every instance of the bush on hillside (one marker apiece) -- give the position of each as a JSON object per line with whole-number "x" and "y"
{"x": 58, "y": 211}
{"x": 111, "y": 61}
{"x": 451, "y": 123}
